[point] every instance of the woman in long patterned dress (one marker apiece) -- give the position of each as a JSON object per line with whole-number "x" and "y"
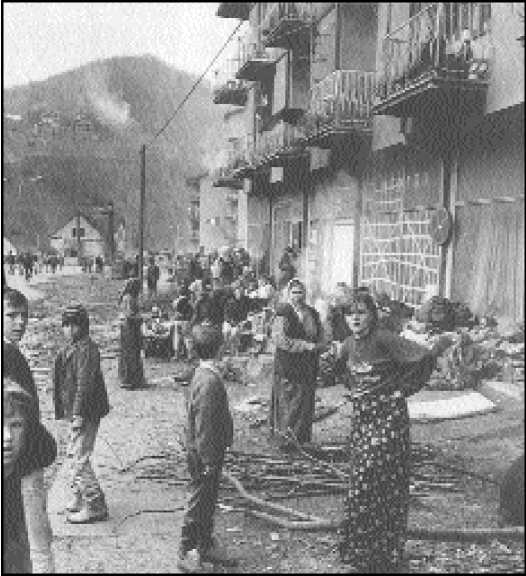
{"x": 131, "y": 372}
{"x": 383, "y": 369}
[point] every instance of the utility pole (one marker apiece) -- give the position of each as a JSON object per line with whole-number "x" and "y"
{"x": 79, "y": 246}
{"x": 141, "y": 212}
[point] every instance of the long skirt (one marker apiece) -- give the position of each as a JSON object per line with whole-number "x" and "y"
{"x": 374, "y": 533}
{"x": 131, "y": 372}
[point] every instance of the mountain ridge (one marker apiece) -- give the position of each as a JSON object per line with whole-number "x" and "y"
{"x": 73, "y": 141}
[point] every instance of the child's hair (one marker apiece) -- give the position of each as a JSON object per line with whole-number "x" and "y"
{"x": 207, "y": 341}
{"x": 76, "y": 315}
{"x": 14, "y": 298}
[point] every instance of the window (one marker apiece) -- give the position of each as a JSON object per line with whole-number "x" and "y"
{"x": 82, "y": 232}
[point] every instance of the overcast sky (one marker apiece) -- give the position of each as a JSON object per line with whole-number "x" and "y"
{"x": 43, "y": 39}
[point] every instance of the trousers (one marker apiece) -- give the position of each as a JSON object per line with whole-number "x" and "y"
{"x": 198, "y": 523}
{"x": 80, "y": 449}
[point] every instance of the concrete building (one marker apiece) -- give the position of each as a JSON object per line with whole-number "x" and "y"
{"x": 387, "y": 146}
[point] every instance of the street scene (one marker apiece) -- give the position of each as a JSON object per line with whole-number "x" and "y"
{"x": 263, "y": 299}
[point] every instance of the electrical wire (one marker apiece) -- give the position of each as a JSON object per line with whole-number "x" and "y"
{"x": 194, "y": 86}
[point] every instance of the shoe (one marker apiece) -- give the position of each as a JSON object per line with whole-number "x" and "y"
{"x": 216, "y": 554}
{"x": 75, "y": 504}
{"x": 87, "y": 515}
{"x": 190, "y": 561}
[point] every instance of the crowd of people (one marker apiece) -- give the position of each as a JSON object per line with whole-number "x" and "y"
{"x": 382, "y": 369}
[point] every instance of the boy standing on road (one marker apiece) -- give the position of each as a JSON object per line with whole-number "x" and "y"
{"x": 209, "y": 432}
{"x": 80, "y": 396}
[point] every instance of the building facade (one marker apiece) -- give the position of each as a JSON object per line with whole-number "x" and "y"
{"x": 78, "y": 238}
{"x": 387, "y": 146}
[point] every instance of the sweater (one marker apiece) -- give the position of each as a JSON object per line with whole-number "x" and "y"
{"x": 209, "y": 422}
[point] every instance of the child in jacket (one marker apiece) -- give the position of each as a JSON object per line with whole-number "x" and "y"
{"x": 209, "y": 433}
{"x": 80, "y": 396}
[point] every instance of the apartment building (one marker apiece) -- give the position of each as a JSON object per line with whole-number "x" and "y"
{"x": 387, "y": 147}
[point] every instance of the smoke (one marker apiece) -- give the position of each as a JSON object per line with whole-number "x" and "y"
{"x": 110, "y": 107}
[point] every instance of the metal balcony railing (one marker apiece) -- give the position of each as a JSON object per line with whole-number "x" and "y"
{"x": 285, "y": 21}
{"x": 255, "y": 61}
{"x": 342, "y": 101}
{"x": 228, "y": 89}
{"x": 282, "y": 141}
{"x": 445, "y": 40}
{"x": 241, "y": 160}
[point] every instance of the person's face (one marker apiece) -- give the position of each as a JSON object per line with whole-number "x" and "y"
{"x": 13, "y": 426}
{"x": 15, "y": 322}
{"x": 297, "y": 295}
{"x": 359, "y": 320}
{"x": 70, "y": 331}
{"x": 238, "y": 292}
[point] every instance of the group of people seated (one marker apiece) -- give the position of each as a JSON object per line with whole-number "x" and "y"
{"x": 232, "y": 308}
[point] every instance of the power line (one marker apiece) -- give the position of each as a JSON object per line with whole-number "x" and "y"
{"x": 195, "y": 85}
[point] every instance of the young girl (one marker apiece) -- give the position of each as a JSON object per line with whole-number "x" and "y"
{"x": 26, "y": 447}
{"x": 383, "y": 369}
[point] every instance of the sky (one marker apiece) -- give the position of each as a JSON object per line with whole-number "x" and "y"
{"x": 41, "y": 39}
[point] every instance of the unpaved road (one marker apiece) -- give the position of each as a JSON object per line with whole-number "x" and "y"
{"x": 146, "y": 506}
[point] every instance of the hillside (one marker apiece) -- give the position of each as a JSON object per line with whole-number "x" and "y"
{"x": 73, "y": 141}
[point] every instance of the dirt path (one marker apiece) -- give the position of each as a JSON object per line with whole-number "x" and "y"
{"x": 150, "y": 423}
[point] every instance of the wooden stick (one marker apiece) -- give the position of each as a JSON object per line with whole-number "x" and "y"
{"x": 264, "y": 504}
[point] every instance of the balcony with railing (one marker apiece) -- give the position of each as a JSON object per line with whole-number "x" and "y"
{"x": 341, "y": 105}
{"x": 242, "y": 157}
{"x": 441, "y": 55}
{"x": 240, "y": 10}
{"x": 227, "y": 88}
{"x": 279, "y": 145}
{"x": 286, "y": 24}
{"x": 255, "y": 61}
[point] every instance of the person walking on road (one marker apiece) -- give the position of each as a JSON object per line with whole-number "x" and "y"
{"x": 209, "y": 433}
{"x": 80, "y": 396}
{"x": 152, "y": 277}
{"x": 298, "y": 337}
{"x": 131, "y": 373}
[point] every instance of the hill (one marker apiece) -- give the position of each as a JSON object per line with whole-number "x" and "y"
{"x": 73, "y": 140}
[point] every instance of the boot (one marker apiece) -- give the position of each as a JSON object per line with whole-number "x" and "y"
{"x": 91, "y": 511}
{"x": 189, "y": 561}
{"x": 75, "y": 504}
{"x": 216, "y": 554}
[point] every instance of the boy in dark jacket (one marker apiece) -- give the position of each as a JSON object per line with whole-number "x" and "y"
{"x": 80, "y": 396}
{"x": 209, "y": 432}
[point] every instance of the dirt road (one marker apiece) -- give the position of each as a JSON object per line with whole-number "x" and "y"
{"x": 139, "y": 461}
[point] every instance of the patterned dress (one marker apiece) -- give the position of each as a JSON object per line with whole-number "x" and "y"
{"x": 383, "y": 370}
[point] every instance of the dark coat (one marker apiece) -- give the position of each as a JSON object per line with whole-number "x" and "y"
{"x": 236, "y": 310}
{"x": 79, "y": 387}
{"x": 209, "y": 422}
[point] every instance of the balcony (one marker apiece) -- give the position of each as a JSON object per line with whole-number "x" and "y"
{"x": 255, "y": 62}
{"x": 438, "y": 58}
{"x": 280, "y": 145}
{"x": 224, "y": 178}
{"x": 227, "y": 88}
{"x": 242, "y": 158}
{"x": 239, "y": 10}
{"x": 287, "y": 24}
{"x": 341, "y": 106}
